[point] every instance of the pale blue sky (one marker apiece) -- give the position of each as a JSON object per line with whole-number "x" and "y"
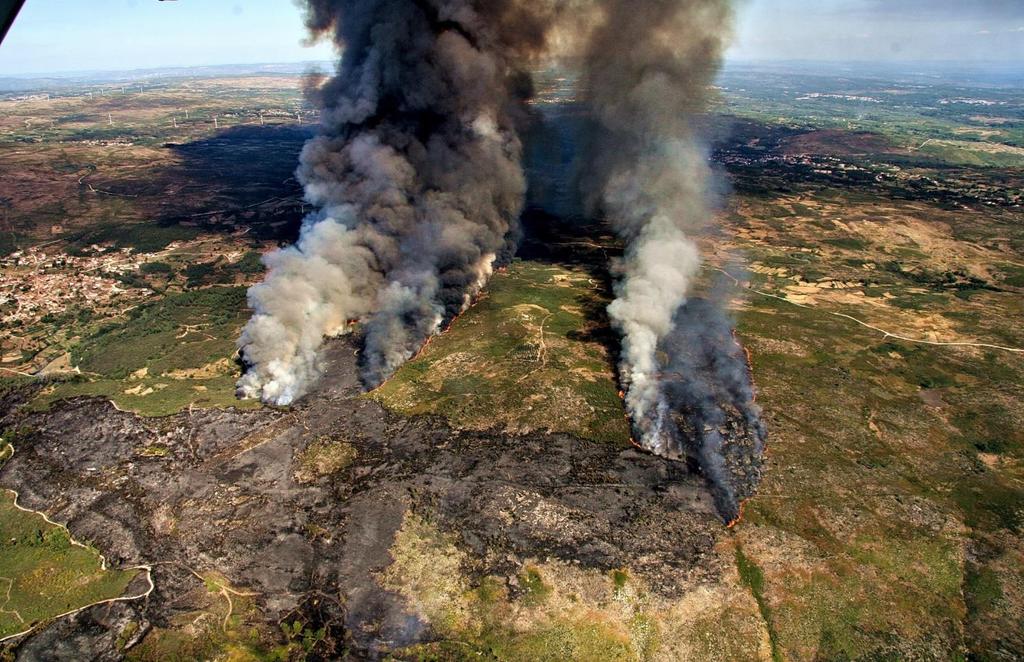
{"x": 881, "y": 30}
{"x": 75, "y": 35}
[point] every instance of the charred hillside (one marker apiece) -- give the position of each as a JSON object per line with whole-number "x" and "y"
{"x": 234, "y": 493}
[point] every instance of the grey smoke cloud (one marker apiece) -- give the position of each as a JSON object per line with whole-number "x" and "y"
{"x": 418, "y": 180}
{"x": 417, "y": 176}
{"x": 709, "y": 410}
{"x": 647, "y": 73}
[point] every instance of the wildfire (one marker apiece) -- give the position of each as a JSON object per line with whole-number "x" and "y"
{"x": 426, "y": 343}
{"x": 632, "y": 440}
{"x": 750, "y": 375}
{"x": 749, "y": 360}
{"x": 739, "y": 517}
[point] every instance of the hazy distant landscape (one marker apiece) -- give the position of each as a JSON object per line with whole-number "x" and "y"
{"x": 877, "y": 216}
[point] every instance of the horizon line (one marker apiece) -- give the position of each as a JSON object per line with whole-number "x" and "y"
{"x": 71, "y": 73}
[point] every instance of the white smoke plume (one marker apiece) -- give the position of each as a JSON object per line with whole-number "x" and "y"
{"x": 648, "y": 72}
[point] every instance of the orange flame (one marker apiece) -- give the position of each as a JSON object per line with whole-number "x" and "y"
{"x": 426, "y": 343}
{"x": 750, "y": 375}
{"x": 739, "y": 517}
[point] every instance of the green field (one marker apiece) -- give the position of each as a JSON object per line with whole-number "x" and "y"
{"x": 889, "y": 524}
{"x": 523, "y": 358}
{"x": 166, "y": 356}
{"x": 42, "y": 573}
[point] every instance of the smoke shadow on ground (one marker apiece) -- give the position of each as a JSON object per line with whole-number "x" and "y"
{"x": 238, "y": 180}
{"x": 555, "y": 227}
{"x": 576, "y": 244}
{"x": 240, "y": 177}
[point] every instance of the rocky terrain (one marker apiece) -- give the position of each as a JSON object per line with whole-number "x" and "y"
{"x": 224, "y": 492}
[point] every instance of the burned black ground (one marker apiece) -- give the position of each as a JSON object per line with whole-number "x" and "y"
{"x": 222, "y": 497}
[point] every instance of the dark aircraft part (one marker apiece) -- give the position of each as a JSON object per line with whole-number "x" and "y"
{"x": 8, "y": 12}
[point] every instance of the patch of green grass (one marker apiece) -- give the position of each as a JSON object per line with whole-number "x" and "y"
{"x": 964, "y": 154}
{"x": 195, "y": 327}
{"x": 847, "y": 423}
{"x": 206, "y": 633}
{"x": 982, "y": 589}
{"x": 987, "y": 503}
{"x": 164, "y": 357}
{"x": 153, "y": 450}
{"x": 176, "y": 395}
{"x": 142, "y": 237}
{"x": 11, "y": 383}
{"x": 535, "y": 591}
{"x": 918, "y": 301}
{"x": 753, "y": 578}
{"x": 475, "y": 622}
{"x": 42, "y": 574}
{"x": 323, "y": 457}
{"x": 559, "y": 641}
{"x": 788, "y": 261}
{"x": 919, "y": 366}
{"x": 848, "y": 243}
{"x": 522, "y": 358}
{"x": 156, "y": 268}
{"x": 251, "y": 263}
{"x": 10, "y": 242}
{"x": 556, "y": 642}
{"x": 199, "y": 273}
{"x": 989, "y": 428}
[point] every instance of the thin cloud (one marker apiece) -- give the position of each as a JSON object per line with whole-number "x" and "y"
{"x": 980, "y": 30}
{"x": 943, "y": 9}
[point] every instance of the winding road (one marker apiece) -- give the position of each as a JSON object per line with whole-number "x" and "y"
{"x": 103, "y": 565}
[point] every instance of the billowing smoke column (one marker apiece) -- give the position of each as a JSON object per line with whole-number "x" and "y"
{"x": 418, "y": 180}
{"x": 648, "y": 71}
{"x": 417, "y": 177}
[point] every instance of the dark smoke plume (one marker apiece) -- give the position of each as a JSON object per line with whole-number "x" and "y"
{"x": 417, "y": 176}
{"x": 647, "y": 76}
{"x": 418, "y": 180}
{"x": 708, "y": 405}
